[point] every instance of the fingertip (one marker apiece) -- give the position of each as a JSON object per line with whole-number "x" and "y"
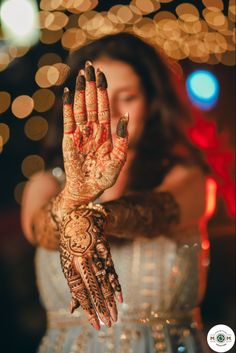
{"x": 121, "y": 129}
{"x": 90, "y": 73}
{"x": 88, "y": 63}
{"x": 80, "y": 83}
{"x": 101, "y": 80}
{"x": 66, "y": 96}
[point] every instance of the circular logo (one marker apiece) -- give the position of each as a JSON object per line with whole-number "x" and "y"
{"x": 221, "y": 338}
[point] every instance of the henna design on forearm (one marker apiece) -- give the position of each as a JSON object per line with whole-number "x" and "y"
{"x": 142, "y": 214}
{"x": 86, "y": 263}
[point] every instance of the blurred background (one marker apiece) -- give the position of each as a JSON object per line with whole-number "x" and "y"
{"x": 35, "y": 38}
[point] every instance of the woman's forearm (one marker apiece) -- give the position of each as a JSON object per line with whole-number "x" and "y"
{"x": 142, "y": 214}
{"x": 47, "y": 220}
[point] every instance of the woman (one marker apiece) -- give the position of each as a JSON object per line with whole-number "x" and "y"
{"x": 152, "y": 195}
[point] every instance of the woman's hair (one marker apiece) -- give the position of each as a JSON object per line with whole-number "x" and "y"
{"x": 163, "y": 142}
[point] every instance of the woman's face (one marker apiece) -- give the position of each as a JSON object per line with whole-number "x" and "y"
{"x": 125, "y": 95}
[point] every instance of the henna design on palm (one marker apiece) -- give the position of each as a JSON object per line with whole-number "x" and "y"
{"x": 92, "y": 160}
{"x": 87, "y": 264}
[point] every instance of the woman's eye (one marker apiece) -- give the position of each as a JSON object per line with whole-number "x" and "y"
{"x": 127, "y": 98}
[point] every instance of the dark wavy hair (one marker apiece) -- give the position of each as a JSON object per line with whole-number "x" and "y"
{"x": 164, "y": 142}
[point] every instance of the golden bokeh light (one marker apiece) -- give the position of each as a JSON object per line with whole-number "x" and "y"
{"x": 176, "y": 49}
{"x": 45, "y": 19}
{"x": 46, "y": 76}
{"x": 63, "y": 70}
{"x": 163, "y": 15}
{"x": 147, "y": 6}
{"x": 4, "y": 61}
{"x": 5, "y": 101}
{"x": 193, "y": 28}
{"x": 50, "y": 37}
{"x": 49, "y": 59}
{"x": 43, "y": 100}
{"x": 18, "y": 191}
{"x": 22, "y": 106}
{"x": 50, "y": 5}
{"x": 216, "y": 20}
{"x": 214, "y": 5}
{"x": 187, "y": 12}
{"x": 84, "y": 17}
{"x": 58, "y": 22}
{"x": 145, "y": 28}
{"x": 73, "y": 38}
{"x": 78, "y": 6}
{"x": 32, "y": 164}
{"x": 124, "y": 14}
{"x": 4, "y": 133}
{"x": 215, "y": 42}
{"x": 36, "y": 128}
{"x": 232, "y": 11}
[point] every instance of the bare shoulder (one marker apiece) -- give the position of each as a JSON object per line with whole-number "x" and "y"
{"x": 184, "y": 174}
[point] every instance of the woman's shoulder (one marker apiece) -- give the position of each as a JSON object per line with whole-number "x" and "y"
{"x": 184, "y": 173}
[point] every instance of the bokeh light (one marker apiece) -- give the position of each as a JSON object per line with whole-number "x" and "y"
{"x": 4, "y": 61}
{"x": 43, "y": 100}
{"x": 19, "y": 21}
{"x": 5, "y": 101}
{"x": 18, "y": 191}
{"x": 50, "y": 37}
{"x": 36, "y": 128}
{"x": 203, "y": 89}
{"x": 22, "y": 106}
{"x": 32, "y": 164}
{"x": 46, "y": 76}
{"x": 73, "y": 38}
{"x": 4, "y": 133}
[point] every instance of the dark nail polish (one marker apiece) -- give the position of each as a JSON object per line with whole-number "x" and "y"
{"x": 80, "y": 83}
{"x": 101, "y": 80}
{"x": 88, "y": 63}
{"x": 121, "y": 129}
{"x": 66, "y": 96}
{"x": 90, "y": 73}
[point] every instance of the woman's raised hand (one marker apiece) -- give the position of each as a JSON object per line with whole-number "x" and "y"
{"x": 92, "y": 160}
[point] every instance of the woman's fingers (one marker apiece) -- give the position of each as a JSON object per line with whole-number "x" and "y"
{"x": 107, "y": 291}
{"x": 79, "y": 99}
{"x": 69, "y": 122}
{"x": 103, "y": 251}
{"x": 115, "y": 284}
{"x": 90, "y": 92}
{"x": 103, "y": 100}
{"x": 80, "y": 293}
{"x": 119, "y": 151}
{"x": 82, "y": 265}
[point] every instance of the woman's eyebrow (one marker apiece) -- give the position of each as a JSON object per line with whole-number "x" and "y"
{"x": 125, "y": 88}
